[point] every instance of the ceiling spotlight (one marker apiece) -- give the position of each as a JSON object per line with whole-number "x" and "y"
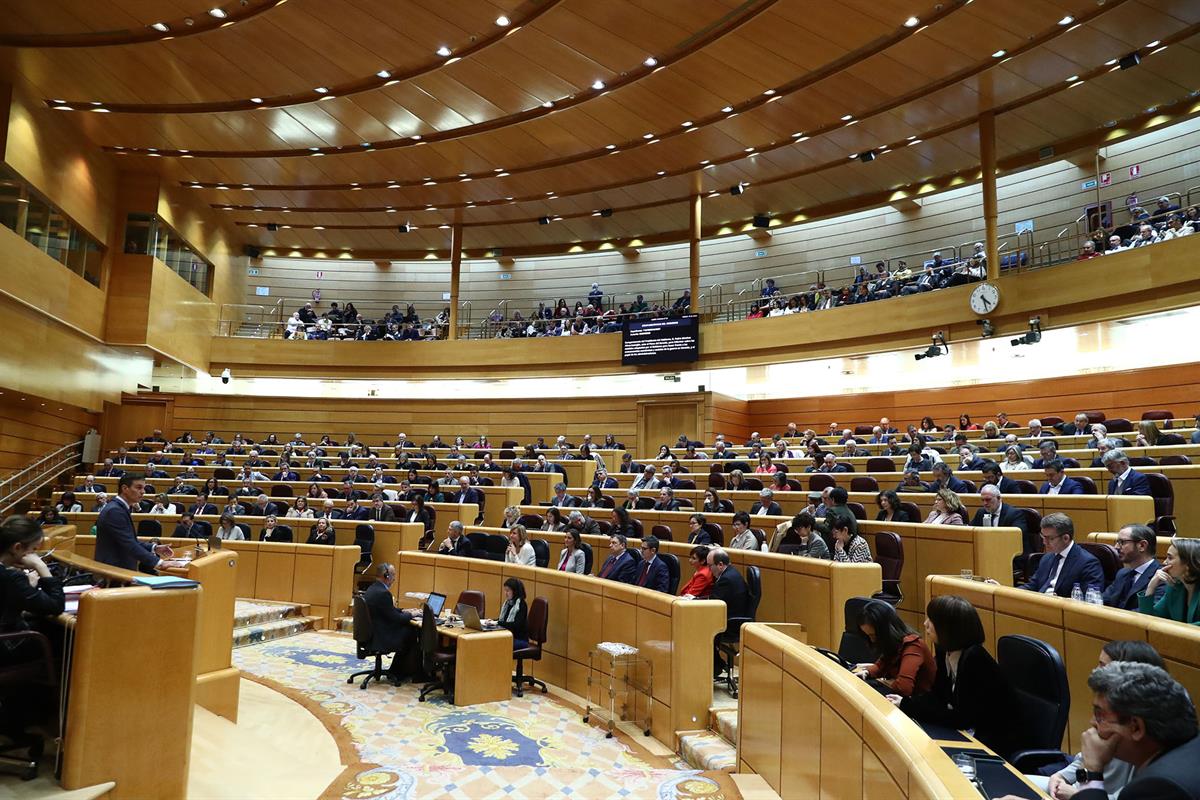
{"x": 383, "y": 73}
{"x": 737, "y": 189}
{"x": 1153, "y": 44}
{"x": 847, "y": 117}
{"x": 256, "y": 100}
{"x": 1072, "y": 79}
{"x": 543, "y": 220}
{"x": 322, "y": 90}
{"x": 416, "y": 137}
{"x": 661, "y": 172}
{"x": 1130, "y": 61}
{"x": 687, "y": 124}
{"x": 443, "y": 51}
{"x": 1067, "y": 20}
{"x": 769, "y": 92}
{"x": 647, "y": 135}
{"x": 938, "y": 348}
{"x": 1000, "y": 54}
{"x": 598, "y": 84}
{"x": 912, "y": 22}
{"x": 1035, "y": 333}
{"x": 218, "y": 13}
{"x": 547, "y": 104}
{"x": 161, "y": 27}
{"x": 727, "y": 109}
{"x": 318, "y": 227}
{"x": 503, "y": 21}
{"x": 651, "y": 61}
{"x": 761, "y": 221}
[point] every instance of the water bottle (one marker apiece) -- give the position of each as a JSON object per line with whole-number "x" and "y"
{"x": 1076, "y": 593}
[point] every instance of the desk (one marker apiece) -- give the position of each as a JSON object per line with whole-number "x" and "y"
{"x": 483, "y": 668}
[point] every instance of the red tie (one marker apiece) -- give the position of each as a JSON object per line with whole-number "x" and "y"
{"x": 608, "y": 566}
{"x": 642, "y": 577}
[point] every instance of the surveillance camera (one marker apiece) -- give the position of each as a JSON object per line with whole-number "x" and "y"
{"x": 226, "y": 375}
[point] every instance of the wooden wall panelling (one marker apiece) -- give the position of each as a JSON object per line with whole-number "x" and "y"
{"x": 58, "y": 294}
{"x": 29, "y": 429}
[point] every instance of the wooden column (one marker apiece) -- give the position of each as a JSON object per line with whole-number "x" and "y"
{"x": 694, "y": 216}
{"x": 987, "y": 163}
{"x": 456, "y": 237}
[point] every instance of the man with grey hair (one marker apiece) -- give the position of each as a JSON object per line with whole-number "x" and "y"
{"x": 998, "y": 514}
{"x": 582, "y": 523}
{"x": 666, "y": 500}
{"x": 1126, "y": 480}
{"x": 943, "y": 478}
{"x": 646, "y": 480}
{"x": 561, "y": 498}
{"x": 765, "y": 505}
{"x": 1035, "y": 429}
{"x": 620, "y": 565}
{"x": 631, "y": 499}
{"x": 1064, "y": 566}
{"x": 1144, "y": 717}
{"x": 455, "y": 544}
{"x": 1080, "y": 427}
{"x": 1102, "y": 447}
{"x": 391, "y": 628}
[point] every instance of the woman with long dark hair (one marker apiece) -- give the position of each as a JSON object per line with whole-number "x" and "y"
{"x": 514, "y": 612}
{"x": 903, "y": 662}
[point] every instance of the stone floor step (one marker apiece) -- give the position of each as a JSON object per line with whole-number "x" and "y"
{"x": 274, "y": 629}
{"x": 725, "y": 722}
{"x": 253, "y": 612}
{"x": 343, "y": 624}
{"x": 707, "y": 751}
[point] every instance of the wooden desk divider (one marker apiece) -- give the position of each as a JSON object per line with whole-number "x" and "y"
{"x": 1077, "y": 631}
{"x": 129, "y": 711}
{"x": 217, "y": 680}
{"x": 818, "y": 731}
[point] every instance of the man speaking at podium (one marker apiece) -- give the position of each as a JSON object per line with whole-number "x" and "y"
{"x": 116, "y": 540}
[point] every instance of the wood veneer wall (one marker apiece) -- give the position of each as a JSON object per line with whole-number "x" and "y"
{"x": 31, "y": 426}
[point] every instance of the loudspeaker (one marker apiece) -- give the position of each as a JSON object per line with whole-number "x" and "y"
{"x": 762, "y": 221}
{"x": 606, "y": 212}
{"x": 1130, "y": 61}
{"x": 866, "y": 156}
{"x": 272, "y": 226}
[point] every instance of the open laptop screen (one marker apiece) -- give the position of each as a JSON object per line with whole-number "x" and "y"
{"x": 436, "y": 602}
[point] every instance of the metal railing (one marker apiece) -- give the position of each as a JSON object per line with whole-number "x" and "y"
{"x": 45, "y": 470}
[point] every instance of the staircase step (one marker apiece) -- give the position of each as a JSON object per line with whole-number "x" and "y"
{"x": 343, "y": 624}
{"x": 707, "y": 751}
{"x": 254, "y": 612}
{"x": 725, "y": 722}
{"x": 274, "y": 629}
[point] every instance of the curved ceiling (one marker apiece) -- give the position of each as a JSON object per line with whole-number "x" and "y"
{"x": 495, "y": 114}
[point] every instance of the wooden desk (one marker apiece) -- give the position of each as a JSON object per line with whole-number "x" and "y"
{"x": 483, "y": 668}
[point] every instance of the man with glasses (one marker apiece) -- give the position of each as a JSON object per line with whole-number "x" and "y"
{"x": 1136, "y": 548}
{"x": 1144, "y": 717}
{"x": 620, "y": 565}
{"x": 1063, "y": 565}
{"x": 653, "y": 572}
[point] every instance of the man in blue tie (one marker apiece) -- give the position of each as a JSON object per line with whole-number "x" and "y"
{"x": 1064, "y": 565}
{"x": 653, "y": 572}
{"x": 1136, "y": 548}
{"x": 116, "y": 541}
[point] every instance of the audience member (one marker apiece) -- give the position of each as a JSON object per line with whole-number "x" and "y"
{"x": 903, "y": 665}
{"x": 1064, "y": 567}
{"x": 1180, "y": 573}
{"x": 1136, "y": 547}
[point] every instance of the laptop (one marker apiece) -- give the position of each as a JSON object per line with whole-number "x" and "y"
{"x": 436, "y": 603}
{"x": 470, "y": 618}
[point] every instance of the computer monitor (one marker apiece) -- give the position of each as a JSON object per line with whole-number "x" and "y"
{"x": 436, "y": 602}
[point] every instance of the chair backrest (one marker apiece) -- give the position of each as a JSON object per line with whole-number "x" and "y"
{"x": 1119, "y": 425}
{"x": 1032, "y": 533}
{"x": 475, "y": 598}
{"x": 508, "y": 443}
{"x": 1142, "y": 461}
{"x": 971, "y": 488}
{"x": 685, "y": 483}
{"x": 760, "y": 537}
{"x": 644, "y": 503}
{"x": 537, "y": 622}
{"x": 663, "y": 532}
{"x": 864, "y": 483}
{"x": 506, "y": 454}
{"x": 1110, "y": 562}
{"x": 820, "y": 481}
{"x": 364, "y": 631}
{"x": 716, "y": 480}
{"x": 857, "y": 509}
{"x": 497, "y": 545}
{"x": 204, "y": 529}
{"x": 281, "y": 490}
{"x": 1158, "y": 413}
{"x": 726, "y": 506}
{"x": 284, "y": 532}
{"x": 604, "y": 525}
{"x": 753, "y": 484}
{"x": 245, "y": 529}
{"x": 1095, "y": 416}
{"x": 672, "y": 562}
{"x": 754, "y": 589}
{"x": 149, "y": 527}
{"x": 715, "y": 532}
{"x": 223, "y": 473}
{"x": 1051, "y": 420}
{"x": 1031, "y": 564}
{"x": 638, "y": 529}
{"x": 1163, "y": 494}
{"x": 1025, "y": 487}
{"x": 1089, "y": 485}
{"x": 1039, "y": 679}
{"x": 1173, "y": 460}
{"x": 587, "y": 558}
{"x": 541, "y": 552}
{"x": 889, "y": 555}
{"x": 854, "y": 646}
{"x": 863, "y": 430}
{"x": 532, "y": 522}
{"x": 486, "y": 481}
{"x": 478, "y": 542}
{"x": 910, "y": 508}
{"x": 429, "y": 638}
{"x": 881, "y": 464}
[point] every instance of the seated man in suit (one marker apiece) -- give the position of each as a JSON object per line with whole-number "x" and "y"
{"x": 466, "y": 492}
{"x": 247, "y": 489}
{"x": 993, "y": 475}
{"x": 285, "y": 473}
{"x": 765, "y": 505}
{"x": 603, "y": 480}
{"x": 1144, "y": 717}
{"x": 652, "y": 573}
{"x": 202, "y": 506}
{"x": 943, "y": 478}
{"x": 1063, "y": 565}
{"x": 1136, "y": 547}
{"x": 179, "y": 487}
{"x": 911, "y": 482}
{"x": 186, "y": 527}
{"x": 647, "y": 479}
{"x": 620, "y": 565}
{"x": 455, "y": 543}
{"x": 1080, "y": 427}
{"x": 354, "y": 511}
{"x": 829, "y": 463}
{"x": 116, "y": 541}
{"x": 1057, "y": 481}
{"x": 561, "y": 498}
{"x": 969, "y": 458}
{"x": 666, "y": 500}
{"x": 582, "y": 523}
{"x": 381, "y": 511}
{"x": 1125, "y": 480}
{"x": 729, "y": 587}
{"x": 348, "y": 491}
{"x": 1048, "y": 448}
{"x": 261, "y": 506}
{"x": 391, "y": 628}
{"x": 90, "y": 486}
{"x": 998, "y": 514}
{"x": 110, "y": 470}
{"x": 327, "y": 511}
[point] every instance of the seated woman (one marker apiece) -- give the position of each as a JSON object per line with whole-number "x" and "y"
{"x": 554, "y": 520}
{"x": 700, "y": 585}
{"x": 779, "y": 482}
{"x": 969, "y": 691}
{"x": 417, "y": 512}
{"x": 765, "y": 465}
{"x": 513, "y": 613}
{"x": 947, "y": 509}
{"x": 511, "y": 515}
{"x": 965, "y": 424}
{"x": 849, "y": 546}
{"x": 520, "y": 551}
{"x": 1014, "y": 460}
{"x": 736, "y": 482}
{"x": 228, "y": 530}
{"x": 321, "y": 533}
{"x": 889, "y": 508}
{"x": 315, "y": 492}
{"x": 68, "y": 504}
{"x": 620, "y": 522}
{"x": 594, "y": 498}
{"x": 713, "y": 503}
{"x": 162, "y": 505}
{"x": 573, "y": 558}
{"x": 272, "y": 532}
{"x": 904, "y": 664}
{"x": 49, "y": 516}
{"x": 213, "y": 488}
{"x": 300, "y": 509}
{"x": 1181, "y": 573}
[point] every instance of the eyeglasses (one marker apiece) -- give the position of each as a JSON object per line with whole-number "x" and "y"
{"x": 1098, "y": 716}
{"x": 1124, "y": 541}
{"x": 1052, "y": 537}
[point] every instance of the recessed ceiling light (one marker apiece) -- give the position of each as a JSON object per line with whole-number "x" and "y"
{"x": 647, "y": 135}
{"x": 914, "y": 141}
{"x": 651, "y": 61}
{"x": 1110, "y": 62}
{"x": 1000, "y": 54}
{"x": 502, "y": 175}
{"x": 314, "y": 149}
{"x": 1155, "y": 43}
{"x": 547, "y": 103}
{"x": 429, "y": 183}
{"x": 705, "y": 162}
{"x": 503, "y": 21}
{"x": 847, "y": 117}
{"x": 1067, "y": 20}
{"x": 687, "y": 124}
{"x": 727, "y": 109}
{"x": 443, "y": 51}
{"x": 383, "y": 73}
{"x": 416, "y": 137}
{"x": 1072, "y": 79}
{"x": 256, "y": 100}
{"x": 598, "y": 84}
{"x": 912, "y": 22}
{"x": 610, "y": 147}
{"x": 100, "y": 110}
{"x": 769, "y": 92}
{"x": 1158, "y": 50}
{"x": 322, "y": 90}
{"x": 749, "y": 150}
{"x": 161, "y": 27}
{"x": 318, "y": 227}
{"x": 219, "y": 13}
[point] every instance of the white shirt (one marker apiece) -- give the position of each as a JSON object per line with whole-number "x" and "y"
{"x": 1122, "y": 478}
{"x": 1058, "y": 567}
{"x": 1052, "y": 489}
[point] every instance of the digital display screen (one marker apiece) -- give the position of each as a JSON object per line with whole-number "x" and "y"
{"x": 660, "y": 341}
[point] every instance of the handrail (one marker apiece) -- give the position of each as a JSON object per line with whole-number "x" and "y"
{"x": 20, "y": 484}
{"x": 465, "y": 304}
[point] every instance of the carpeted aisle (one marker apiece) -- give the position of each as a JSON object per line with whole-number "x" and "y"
{"x": 530, "y": 747}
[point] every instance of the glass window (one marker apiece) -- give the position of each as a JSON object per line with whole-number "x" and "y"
{"x": 37, "y": 221}
{"x": 149, "y": 234}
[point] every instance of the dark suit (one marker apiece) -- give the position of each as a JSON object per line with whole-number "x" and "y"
{"x": 110, "y": 472}
{"x": 773, "y": 509}
{"x": 620, "y": 567}
{"x": 957, "y": 485}
{"x": 117, "y": 543}
{"x": 609, "y": 483}
{"x": 285, "y": 476}
{"x": 565, "y": 501}
{"x": 95, "y": 487}
{"x": 280, "y": 533}
{"x": 392, "y": 631}
{"x": 1007, "y": 485}
{"x": 653, "y": 575}
{"x": 669, "y": 505}
{"x": 731, "y": 588}
{"x": 1123, "y": 591}
{"x": 457, "y": 548}
{"x": 196, "y": 509}
{"x": 1173, "y": 775}
{"x": 183, "y": 488}
{"x": 358, "y": 514}
{"x": 468, "y": 496}
{"x": 1008, "y": 517}
{"x": 1135, "y": 483}
{"x": 193, "y": 532}
{"x": 1080, "y": 567}
{"x": 382, "y": 514}
{"x": 1068, "y": 486}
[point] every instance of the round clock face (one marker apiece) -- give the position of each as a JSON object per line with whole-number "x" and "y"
{"x": 985, "y": 298}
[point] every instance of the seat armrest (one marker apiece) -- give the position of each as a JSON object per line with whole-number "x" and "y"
{"x": 1031, "y": 762}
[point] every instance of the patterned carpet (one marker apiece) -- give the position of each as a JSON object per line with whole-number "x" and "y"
{"x": 397, "y": 748}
